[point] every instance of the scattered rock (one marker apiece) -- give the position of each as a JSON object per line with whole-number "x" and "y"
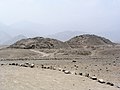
{"x": 32, "y": 65}
{"x": 20, "y": 65}
{"x": 101, "y": 81}
{"x": 118, "y": 86}
{"x": 10, "y": 64}
{"x": 42, "y": 66}
{"x": 59, "y": 69}
{"x": 109, "y": 83}
{"x": 54, "y": 68}
{"x": 13, "y": 63}
{"x": 85, "y": 67}
{"x": 75, "y": 73}
{"x": 2, "y": 64}
{"x": 74, "y": 61}
{"x": 93, "y": 78}
{"x": 67, "y": 72}
{"x": 81, "y": 74}
{"x": 16, "y": 64}
{"x": 25, "y": 65}
{"x": 48, "y": 67}
{"x": 86, "y": 74}
{"x": 63, "y": 70}
{"x": 113, "y": 61}
{"x": 76, "y": 66}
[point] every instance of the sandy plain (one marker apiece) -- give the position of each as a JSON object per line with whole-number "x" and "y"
{"x": 103, "y": 63}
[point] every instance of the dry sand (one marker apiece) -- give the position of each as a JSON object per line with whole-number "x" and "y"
{"x": 103, "y": 63}
{"x": 20, "y": 78}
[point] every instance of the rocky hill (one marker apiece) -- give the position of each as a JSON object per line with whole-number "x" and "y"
{"x": 48, "y": 43}
{"x": 88, "y": 40}
{"x": 39, "y": 43}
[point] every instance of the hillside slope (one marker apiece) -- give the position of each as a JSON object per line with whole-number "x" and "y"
{"x": 39, "y": 43}
{"x": 87, "y": 40}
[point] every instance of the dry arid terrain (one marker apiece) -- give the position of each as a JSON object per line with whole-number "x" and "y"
{"x": 95, "y": 67}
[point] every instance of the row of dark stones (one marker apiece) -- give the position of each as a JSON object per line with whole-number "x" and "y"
{"x": 14, "y": 59}
{"x": 81, "y": 74}
{"x": 21, "y": 65}
{"x": 65, "y": 71}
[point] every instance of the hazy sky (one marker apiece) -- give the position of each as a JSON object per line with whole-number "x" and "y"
{"x": 90, "y": 15}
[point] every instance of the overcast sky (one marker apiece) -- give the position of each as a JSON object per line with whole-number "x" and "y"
{"x": 90, "y": 15}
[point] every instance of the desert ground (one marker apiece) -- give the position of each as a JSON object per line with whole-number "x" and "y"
{"x": 50, "y": 66}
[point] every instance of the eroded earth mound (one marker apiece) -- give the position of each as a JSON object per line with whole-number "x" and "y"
{"x": 39, "y": 43}
{"x": 88, "y": 40}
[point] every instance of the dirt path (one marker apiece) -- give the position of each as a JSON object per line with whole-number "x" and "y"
{"x": 51, "y": 55}
{"x": 42, "y": 53}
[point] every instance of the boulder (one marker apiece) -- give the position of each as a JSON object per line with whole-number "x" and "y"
{"x": 59, "y": 69}
{"x": 81, "y": 74}
{"x": 109, "y": 83}
{"x": 32, "y": 65}
{"x": 67, "y": 72}
{"x": 93, "y": 78}
{"x": 101, "y": 81}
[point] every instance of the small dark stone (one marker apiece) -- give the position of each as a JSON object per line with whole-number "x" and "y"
{"x": 109, "y": 83}
{"x": 48, "y": 67}
{"x": 94, "y": 78}
{"x": 67, "y": 72}
{"x": 75, "y": 73}
{"x": 113, "y": 61}
{"x": 74, "y": 61}
{"x": 63, "y": 70}
{"x": 101, "y": 81}
{"x": 10, "y": 64}
{"x": 118, "y": 86}
{"x": 42, "y": 66}
{"x": 16, "y": 64}
{"x": 25, "y": 65}
{"x": 13, "y": 63}
{"x": 85, "y": 67}
{"x": 2, "y": 64}
{"x": 80, "y": 74}
{"x": 86, "y": 75}
{"x": 32, "y": 65}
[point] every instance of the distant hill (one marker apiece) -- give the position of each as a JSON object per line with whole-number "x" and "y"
{"x": 39, "y": 43}
{"x": 86, "y": 40}
{"x": 65, "y": 35}
{"x": 29, "y": 29}
{"x": 14, "y": 40}
{"x": 4, "y": 37}
{"x": 112, "y": 35}
{"x": 48, "y": 43}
